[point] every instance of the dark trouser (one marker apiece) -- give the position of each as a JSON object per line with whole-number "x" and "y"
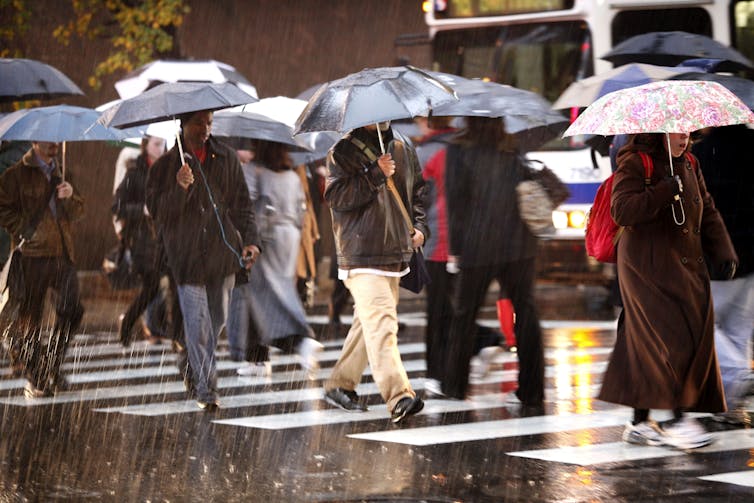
{"x": 439, "y": 318}
{"x": 42, "y": 361}
{"x": 517, "y": 279}
{"x": 150, "y": 288}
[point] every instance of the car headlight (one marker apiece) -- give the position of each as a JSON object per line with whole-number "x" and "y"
{"x": 560, "y": 219}
{"x": 577, "y": 219}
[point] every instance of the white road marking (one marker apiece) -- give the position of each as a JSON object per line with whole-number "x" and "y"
{"x": 744, "y": 478}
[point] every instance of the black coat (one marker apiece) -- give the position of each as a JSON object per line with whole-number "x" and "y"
{"x": 724, "y": 159}
{"x": 198, "y": 250}
{"x": 484, "y": 224}
{"x": 138, "y": 232}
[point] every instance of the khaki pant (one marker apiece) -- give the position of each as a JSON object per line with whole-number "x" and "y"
{"x": 373, "y": 339}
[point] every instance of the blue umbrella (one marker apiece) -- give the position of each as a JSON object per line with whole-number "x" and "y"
{"x": 56, "y": 123}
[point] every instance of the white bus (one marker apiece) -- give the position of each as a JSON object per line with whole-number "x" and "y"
{"x": 545, "y": 45}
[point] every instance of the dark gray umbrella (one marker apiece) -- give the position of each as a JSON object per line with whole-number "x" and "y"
{"x": 670, "y": 48}
{"x": 526, "y": 114}
{"x": 169, "y": 100}
{"x": 370, "y": 96}
{"x": 28, "y": 79}
{"x": 742, "y": 88}
{"x": 240, "y": 124}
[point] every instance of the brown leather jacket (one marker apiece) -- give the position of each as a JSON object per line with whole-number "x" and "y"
{"x": 23, "y": 188}
{"x": 369, "y": 227}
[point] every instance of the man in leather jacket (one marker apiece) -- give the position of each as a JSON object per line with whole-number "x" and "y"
{"x": 374, "y": 245}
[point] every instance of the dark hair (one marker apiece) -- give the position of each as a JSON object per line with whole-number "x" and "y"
{"x": 652, "y": 142}
{"x": 487, "y": 131}
{"x": 272, "y": 155}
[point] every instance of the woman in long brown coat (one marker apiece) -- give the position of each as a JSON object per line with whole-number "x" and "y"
{"x": 664, "y": 355}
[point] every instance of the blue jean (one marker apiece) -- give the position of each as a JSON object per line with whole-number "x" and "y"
{"x": 734, "y": 324}
{"x": 205, "y": 309}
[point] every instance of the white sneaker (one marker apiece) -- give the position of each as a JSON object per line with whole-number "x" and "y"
{"x": 433, "y": 387}
{"x": 686, "y": 433}
{"x": 308, "y": 352}
{"x": 644, "y": 433}
{"x": 257, "y": 369}
{"x": 480, "y": 364}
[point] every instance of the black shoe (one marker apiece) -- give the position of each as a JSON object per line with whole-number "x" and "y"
{"x": 209, "y": 405}
{"x": 346, "y": 399}
{"x": 406, "y": 406}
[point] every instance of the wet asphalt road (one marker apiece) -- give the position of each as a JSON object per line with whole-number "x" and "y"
{"x": 126, "y": 432}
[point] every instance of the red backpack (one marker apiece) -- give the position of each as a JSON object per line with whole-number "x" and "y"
{"x": 602, "y": 233}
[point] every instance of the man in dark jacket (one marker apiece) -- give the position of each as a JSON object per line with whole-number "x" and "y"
{"x": 723, "y": 155}
{"x": 203, "y": 214}
{"x": 374, "y": 245}
{"x": 37, "y": 208}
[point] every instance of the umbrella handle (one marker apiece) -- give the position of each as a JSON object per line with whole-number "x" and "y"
{"x": 62, "y": 167}
{"x": 178, "y": 141}
{"x": 677, "y": 197}
{"x": 379, "y": 135}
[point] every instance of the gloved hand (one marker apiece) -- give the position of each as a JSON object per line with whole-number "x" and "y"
{"x": 675, "y": 184}
{"x": 725, "y": 270}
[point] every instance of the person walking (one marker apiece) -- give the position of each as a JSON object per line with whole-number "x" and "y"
{"x": 374, "y": 246}
{"x": 489, "y": 241}
{"x": 664, "y": 355}
{"x": 269, "y": 299}
{"x": 38, "y": 209}
{"x": 138, "y": 235}
{"x": 722, "y": 154}
{"x": 201, "y": 207}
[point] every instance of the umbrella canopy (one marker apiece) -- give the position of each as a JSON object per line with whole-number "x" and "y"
{"x": 257, "y": 126}
{"x": 583, "y": 93}
{"x": 742, "y": 88}
{"x": 280, "y": 108}
{"x": 670, "y": 48}
{"x": 167, "y": 101}
{"x": 57, "y": 123}
{"x": 670, "y": 106}
{"x": 527, "y": 115}
{"x": 162, "y": 70}
{"x": 28, "y": 79}
{"x": 372, "y": 95}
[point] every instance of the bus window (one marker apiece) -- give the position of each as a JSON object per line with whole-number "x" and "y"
{"x": 628, "y": 23}
{"x": 540, "y": 57}
{"x": 743, "y": 34}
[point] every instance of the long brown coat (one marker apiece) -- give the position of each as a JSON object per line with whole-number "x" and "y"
{"x": 664, "y": 356}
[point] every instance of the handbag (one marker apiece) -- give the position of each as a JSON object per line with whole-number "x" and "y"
{"x": 418, "y": 275}
{"x": 538, "y": 196}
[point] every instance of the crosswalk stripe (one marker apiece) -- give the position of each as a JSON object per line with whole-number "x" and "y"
{"x": 595, "y": 454}
{"x": 376, "y": 412}
{"x": 743, "y": 478}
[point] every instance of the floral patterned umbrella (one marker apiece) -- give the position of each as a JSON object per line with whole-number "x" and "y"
{"x": 670, "y": 106}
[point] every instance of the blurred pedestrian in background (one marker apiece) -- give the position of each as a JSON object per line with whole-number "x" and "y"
{"x": 489, "y": 241}
{"x": 374, "y": 246}
{"x": 202, "y": 211}
{"x": 431, "y": 152}
{"x": 38, "y": 208}
{"x": 138, "y": 236}
{"x": 268, "y": 305}
{"x": 306, "y": 265}
{"x": 724, "y": 158}
{"x": 664, "y": 355}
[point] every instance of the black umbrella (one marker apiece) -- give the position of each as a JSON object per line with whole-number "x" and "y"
{"x": 370, "y": 96}
{"x": 28, "y": 79}
{"x": 670, "y": 48}
{"x": 169, "y": 100}
{"x": 526, "y": 115}
{"x": 743, "y": 88}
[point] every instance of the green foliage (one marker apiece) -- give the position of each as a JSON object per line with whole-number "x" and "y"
{"x": 16, "y": 15}
{"x": 138, "y": 30}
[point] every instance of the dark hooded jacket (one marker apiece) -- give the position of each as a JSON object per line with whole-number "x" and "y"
{"x": 664, "y": 356}
{"x": 369, "y": 228}
{"x": 198, "y": 249}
